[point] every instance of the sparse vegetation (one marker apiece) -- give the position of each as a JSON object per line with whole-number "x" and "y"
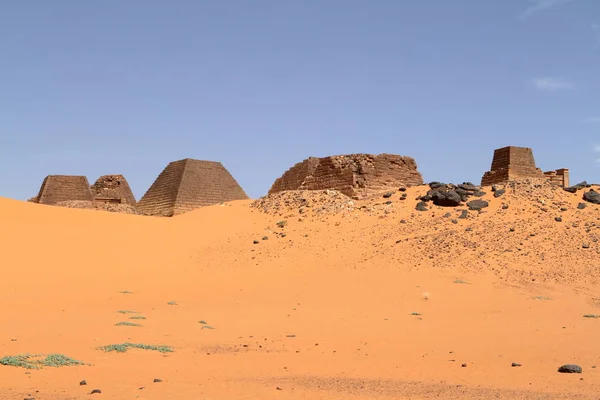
{"x": 415, "y": 313}
{"x": 461, "y": 281}
{"x": 172, "y": 303}
{"x": 205, "y": 326}
{"x": 542, "y": 298}
{"x": 126, "y": 292}
{"x": 30, "y": 361}
{"x": 127, "y": 312}
{"x": 281, "y": 224}
{"x": 123, "y": 347}
{"x": 137, "y": 317}
{"x": 126, "y": 323}
{"x": 591, "y": 316}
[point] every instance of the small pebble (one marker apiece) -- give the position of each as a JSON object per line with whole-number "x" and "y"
{"x": 82, "y": 383}
{"x": 156, "y": 380}
{"x": 96, "y": 391}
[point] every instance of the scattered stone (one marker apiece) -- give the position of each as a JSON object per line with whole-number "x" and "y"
{"x": 592, "y": 197}
{"x": 570, "y": 369}
{"x": 156, "y": 380}
{"x": 558, "y": 219}
{"x": 82, "y": 383}
{"x": 498, "y": 193}
{"x": 477, "y": 205}
{"x": 421, "y": 206}
{"x": 446, "y": 198}
{"x": 464, "y": 214}
{"x": 96, "y": 391}
{"x": 265, "y": 238}
{"x": 435, "y": 185}
{"x": 447, "y": 215}
{"x": 454, "y": 221}
{"x": 387, "y": 195}
{"x": 575, "y": 188}
{"x": 479, "y": 193}
{"x": 585, "y": 246}
{"x": 515, "y": 364}
{"x": 402, "y": 189}
{"x": 563, "y": 209}
{"x": 511, "y": 230}
{"x": 402, "y": 221}
{"x": 505, "y": 206}
{"x": 278, "y": 388}
{"x": 256, "y": 242}
{"x": 464, "y": 365}
{"x": 581, "y": 206}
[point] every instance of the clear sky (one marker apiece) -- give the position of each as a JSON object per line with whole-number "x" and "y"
{"x": 114, "y": 86}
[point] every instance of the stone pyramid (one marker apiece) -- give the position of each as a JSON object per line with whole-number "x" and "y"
{"x": 113, "y": 189}
{"x": 188, "y": 184}
{"x": 57, "y": 188}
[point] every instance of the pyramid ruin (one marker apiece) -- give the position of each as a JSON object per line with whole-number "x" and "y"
{"x": 355, "y": 175}
{"x": 112, "y": 189}
{"x": 511, "y": 162}
{"x": 59, "y": 188}
{"x": 188, "y": 184}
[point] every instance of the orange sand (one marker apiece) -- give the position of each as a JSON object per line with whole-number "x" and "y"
{"x": 344, "y": 285}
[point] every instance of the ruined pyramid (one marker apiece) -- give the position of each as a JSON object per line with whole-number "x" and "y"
{"x": 188, "y": 184}
{"x": 58, "y": 188}
{"x": 113, "y": 189}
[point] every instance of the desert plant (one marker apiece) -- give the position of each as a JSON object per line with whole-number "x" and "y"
{"x": 123, "y": 347}
{"x": 137, "y": 317}
{"x": 126, "y": 323}
{"x": 33, "y": 361}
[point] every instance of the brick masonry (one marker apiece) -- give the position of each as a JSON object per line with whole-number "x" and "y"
{"x": 57, "y": 188}
{"x": 355, "y": 175}
{"x": 510, "y": 163}
{"x": 188, "y": 184}
{"x": 113, "y": 189}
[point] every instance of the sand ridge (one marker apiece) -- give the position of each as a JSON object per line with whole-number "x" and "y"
{"x": 345, "y": 299}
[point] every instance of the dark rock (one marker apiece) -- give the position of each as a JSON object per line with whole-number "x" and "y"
{"x": 402, "y": 221}
{"x": 278, "y": 388}
{"x": 402, "y": 189}
{"x": 570, "y": 369}
{"x": 156, "y": 380}
{"x": 82, "y": 383}
{"x": 494, "y": 188}
{"x": 592, "y": 197}
{"x": 446, "y": 198}
{"x": 479, "y": 194}
{"x": 447, "y": 215}
{"x": 515, "y": 365}
{"x": 511, "y": 230}
{"x": 505, "y": 206}
{"x": 564, "y": 209}
{"x": 454, "y": 221}
{"x": 425, "y": 198}
{"x": 468, "y": 187}
{"x": 435, "y": 185}
{"x": 575, "y": 188}
{"x": 581, "y": 206}
{"x": 477, "y": 204}
{"x": 96, "y": 391}
{"x": 256, "y": 242}
{"x": 464, "y": 214}
{"x": 499, "y": 193}
{"x": 558, "y": 219}
{"x": 585, "y": 246}
{"x": 464, "y": 365}
{"x": 388, "y": 195}
{"x": 421, "y": 206}
{"x": 265, "y": 238}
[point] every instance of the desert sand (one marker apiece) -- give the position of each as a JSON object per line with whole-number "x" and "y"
{"x": 345, "y": 300}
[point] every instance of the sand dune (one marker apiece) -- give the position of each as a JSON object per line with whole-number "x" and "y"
{"x": 354, "y": 300}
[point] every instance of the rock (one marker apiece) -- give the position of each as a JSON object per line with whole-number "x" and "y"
{"x": 505, "y": 206}
{"x": 96, "y": 391}
{"x": 464, "y": 365}
{"x": 564, "y": 209}
{"x": 464, "y": 214}
{"x": 402, "y": 189}
{"x": 558, "y": 219}
{"x": 82, "y": 383}
{"x": 446, "y": 198}
{"x": 494, "y": 188}
{"x": 575, "y": 188}
{"x": 468, "y": 186}
{"x": 435, "y": 185}
{"x": 256, "y": 242}
{"x": 156, "y": 380}
{"x": 570, "y": 369}
{"x": 479, "y": 194}
{"x": 421, "y": 206}
{"x": 265, "y": 238}
{"x": 498, "y": 193}
{"x": 477, "y": 205}
{"x": 592, "y": 197}
{"x": 454, "y": 221}
{"x": 515, "y": 364}
{"x": 447, "y": 215}
{"x": 581, "y": 206}
{"x": 388, "y": 195}
{"x": 402, "y": 221}
{"x": 585, "y": 246}
{"x": 425, "y": 198}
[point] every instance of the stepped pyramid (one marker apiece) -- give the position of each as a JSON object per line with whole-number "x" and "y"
{"x": 113, "y": 189}
{"x": 57, "y": 188}
{"x": 188, "y": 184}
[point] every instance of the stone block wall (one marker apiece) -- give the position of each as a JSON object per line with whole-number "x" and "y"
{"x": 511, "y": 163}
{"x": 57, "y": 188}
{"x": 355, "y": 175}
{"x": 558, "y": 177}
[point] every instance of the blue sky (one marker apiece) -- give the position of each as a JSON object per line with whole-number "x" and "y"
{"x": 100, "y": 87}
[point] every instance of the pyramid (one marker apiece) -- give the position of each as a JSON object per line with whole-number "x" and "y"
{"x": 113, "y": 189}
{"x": 188, "y": 184}
{"x": 57, "y": 188}
{"x": 511, "y": 163}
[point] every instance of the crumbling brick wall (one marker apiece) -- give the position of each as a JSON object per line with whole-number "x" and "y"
{"x": 355, "y": 175}
{"x": 188, "y": 184}
{"x": 58, "y": 188}
{"x": 113, "y": 188}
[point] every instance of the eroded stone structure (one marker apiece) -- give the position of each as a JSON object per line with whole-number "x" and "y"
{"x": 355, "y": 175}
{"x": 512, "y": 163}
{"x": 59, "y": 188}
{"x": 188, "y": 184}
{"x": 113, "y": 189}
